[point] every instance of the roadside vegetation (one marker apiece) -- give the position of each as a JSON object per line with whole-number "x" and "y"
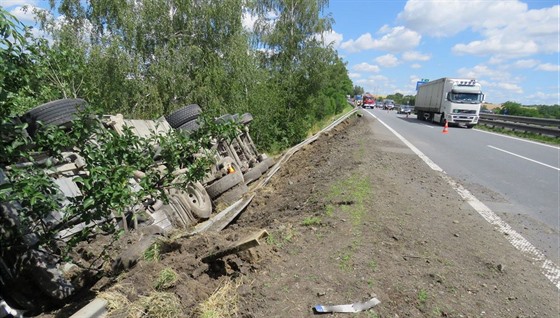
{"x": 145, "y": 61}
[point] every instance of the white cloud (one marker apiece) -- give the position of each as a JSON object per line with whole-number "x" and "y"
{"x": 549, "y": 67}
{"x": 498, "y": 46}
{"x": 482, "y": 71}
{"x": 447, "y": 18}
{"x": 530, "y": 63}
{"x": 544, "y": 98}
{"x": 415, "y": 56}
{"x": 510, "y": 87}
{"x": 508, "y": 29}
{"x": 9, "y": 3}
{"x": 365, "y": 67}
{"x": 415, "y": 65}
{"x": 388, "y": 60}
{"x": 354, "y": 75}
{"x": 24, "y": 15}
{"x": 395, "y": 39}
{"x": 331, "y": 37}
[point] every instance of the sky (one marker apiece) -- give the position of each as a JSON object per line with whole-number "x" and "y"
{"x": 510, "y": 46}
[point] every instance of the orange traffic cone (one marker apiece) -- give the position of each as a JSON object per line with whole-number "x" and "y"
{"x": 445, "y": 128}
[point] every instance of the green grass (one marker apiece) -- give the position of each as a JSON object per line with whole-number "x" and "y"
{"x": 312, "y": 220}
{"x": 153, "y": 253}
{"x": 422, "y": 296}
{"x": 344, "y": 263}
{"x": 525, "y": 135}
{"x": 167, "y": 278}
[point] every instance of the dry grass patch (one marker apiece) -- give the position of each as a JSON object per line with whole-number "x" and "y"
{"x": 223, "y": 303}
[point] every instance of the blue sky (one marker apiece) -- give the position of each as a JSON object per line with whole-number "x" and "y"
{"x": 510, "y": 46}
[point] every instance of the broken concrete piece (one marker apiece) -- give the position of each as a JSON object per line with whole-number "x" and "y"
{"x": 355, "y": 307}
{"x": 241, "y": 245}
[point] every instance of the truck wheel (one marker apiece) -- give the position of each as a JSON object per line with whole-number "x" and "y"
{"x": 196, "y": 198}
{"x": 224, "y": 118}
{"x": 246, "y": 118}
{"x": 225, "y": 183}
{"x": 442, "y": 119}
{"x": 470, "y": 126}
{"x": 183, "y": 115}
{"x": 229, "y": 197}
{"x": 189, "y": 127}
{"x": 55, "y": 113}
{"x": 258, "y": 170}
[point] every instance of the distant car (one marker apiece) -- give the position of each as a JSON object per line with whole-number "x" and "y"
{"x": 486, "y": 111}
{"x": 405, "y": 109}
{"x": 379, "y": 104}
{"x": 388, "y": 104}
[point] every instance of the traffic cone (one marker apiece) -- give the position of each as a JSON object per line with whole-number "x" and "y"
{"x": 445, "y": 128}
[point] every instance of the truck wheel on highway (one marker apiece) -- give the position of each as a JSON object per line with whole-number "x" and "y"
{"x": 470, "y": 126}
{"x": 442, "y": 119}
{"x": 225, "y": 183}
{"x": 183, "y": 115}
{"x": 55, "y": 113}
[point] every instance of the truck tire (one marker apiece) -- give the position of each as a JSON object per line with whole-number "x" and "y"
{"x": 442, "y": 119}
{"x": 189, "y": 127}
{"x": 225, "y": 183}
{"x": 257, "y": 171}
{"x": 55, "y": 113}
{"x": 183, "y": 115}
{"x": 246, "y": 118}
{"x": 253, "y": 174}
{"x": 224, "y": 118}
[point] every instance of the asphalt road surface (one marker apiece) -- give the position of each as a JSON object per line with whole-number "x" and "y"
{"x": 517, "y": 179}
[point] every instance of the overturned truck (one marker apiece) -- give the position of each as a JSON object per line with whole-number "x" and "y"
{"x": 47, "y": 255}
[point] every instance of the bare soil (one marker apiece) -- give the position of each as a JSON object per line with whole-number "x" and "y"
{"x": 350, "y": 217}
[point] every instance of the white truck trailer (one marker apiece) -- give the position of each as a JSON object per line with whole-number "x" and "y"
{"x": 456, "y": 101}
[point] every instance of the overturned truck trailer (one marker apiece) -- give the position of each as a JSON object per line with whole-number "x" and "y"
{"x": 34, "y": 276}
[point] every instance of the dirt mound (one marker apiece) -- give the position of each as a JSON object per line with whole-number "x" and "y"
{"x": 351, "y": 216}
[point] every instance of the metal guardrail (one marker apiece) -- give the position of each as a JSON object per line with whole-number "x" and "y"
{"x": 541, "y": 126}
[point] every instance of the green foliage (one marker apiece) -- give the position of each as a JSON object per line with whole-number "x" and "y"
{"x": 540, "y": 111}
{"x": 357, "y": 90}
{"x": 108, "y": 183}
{"x": 20, "y": 75}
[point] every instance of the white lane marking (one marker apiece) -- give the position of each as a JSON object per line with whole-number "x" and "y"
{"x": 516, "y": 138}
{"x": 548, "y": 268}
{"x": 522, "y": 157}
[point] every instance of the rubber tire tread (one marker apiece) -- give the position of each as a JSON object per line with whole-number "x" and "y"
{"x": 253, "y": 174}
{"x": 246, "y": 118}
{"x": 183, "y": 115}
{"x": 189, "y": 127}
{"x": 57, "y": 112}
{"x": 224, "y": 183}
{"x": 224, "y": 119}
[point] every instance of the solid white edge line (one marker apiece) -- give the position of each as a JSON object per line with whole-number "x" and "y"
{"x": 522, "y": 157}
{"x": 548, "y": 268}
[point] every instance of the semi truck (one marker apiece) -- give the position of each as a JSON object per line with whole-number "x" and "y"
{"x": 453, "y": 100}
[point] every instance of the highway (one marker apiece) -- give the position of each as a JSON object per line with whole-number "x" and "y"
{"x": 517, "y": 179}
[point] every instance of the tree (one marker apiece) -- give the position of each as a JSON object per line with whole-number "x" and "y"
{"x": 357, "y": 90}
